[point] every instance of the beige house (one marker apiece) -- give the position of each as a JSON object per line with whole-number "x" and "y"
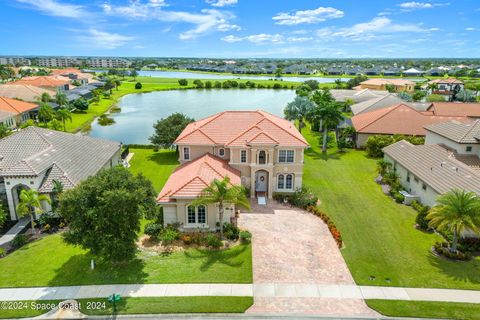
{"x": 400, "y": 85}
{"x": 261, "y": 151}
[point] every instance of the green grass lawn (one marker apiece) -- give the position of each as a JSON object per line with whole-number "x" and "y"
{"x": 51, "y": 262}
{"x": 421, "y": 309}
{"x": 379, "y": 235}
{"x": 140, "y": 306}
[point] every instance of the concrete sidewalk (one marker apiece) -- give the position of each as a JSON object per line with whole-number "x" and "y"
{"x": 16, "y": 229}
{"x": 277, "y": 290}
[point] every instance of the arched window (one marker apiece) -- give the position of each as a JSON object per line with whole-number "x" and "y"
{"x": 201, "y": 214}
{"x": 289, "y": 182}
{"x": 262, "y": 157}
{"x": 281, "y": 181}
{"x": 221, "y": 152}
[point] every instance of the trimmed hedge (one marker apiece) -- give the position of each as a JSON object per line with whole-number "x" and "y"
{"x": 331, "y": 225}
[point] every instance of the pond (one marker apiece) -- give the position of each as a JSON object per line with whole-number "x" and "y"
{"x": 134, "y": 124}
{"x": 212, "y": 76}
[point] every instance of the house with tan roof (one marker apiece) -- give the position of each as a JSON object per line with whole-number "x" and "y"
{"x": 256, "y": 149}
{"x": 455, "y": 109}
{"x": 55, "y": 82}
{"x": 34, "y": 158}
{"x": 14, "y": 112}
{"x": 396, "y": 119}
{"x": 24, "y": 92}
{"x": 448, "y": 87}
{"x": 381, "y": 84}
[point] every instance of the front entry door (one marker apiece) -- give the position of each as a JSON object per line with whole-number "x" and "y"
{"x": 261, "y": 181}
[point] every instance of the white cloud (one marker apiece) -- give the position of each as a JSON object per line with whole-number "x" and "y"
{"x": 222, "y": 3}
{"x": 232, "y": 39}
{"x": 369, "y": 30}
{"x": 205, "y": 21}
{"x": 55, "y": 8}
{"x": 414, "y": 5}
{"x": 434, "y": 29}
{"x": 103, "y": 39}
{"x": 261, "y": 38}
{"x": 308, "y": 16}
{"x": 470, "y": 29}
{"x": 299, "y": 39}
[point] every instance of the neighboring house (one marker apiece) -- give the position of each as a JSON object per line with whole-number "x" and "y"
{"x": 376, "y": 103}
{"x": 392, "y": 72}
{"x": 55, "y": 83}
{"x": 357, "y": 95}
{"x": 24, "y": 92}
{"x": 33, "y": 158}
{"x": 254, "y": 148}
{"x": 455, "y": 109}
{"x": 412, "y": 72}
{"x": 75, "y": 75}
{"x": 15, "y": 112}
{"x": 447, "y": 87}
{"x": 396, "y": 119}
{"x": 381, "y": 84}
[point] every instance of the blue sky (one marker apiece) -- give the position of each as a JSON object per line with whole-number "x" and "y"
{"x": 241, "y": 28}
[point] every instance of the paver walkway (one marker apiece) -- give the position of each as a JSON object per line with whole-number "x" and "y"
{"x": 16, "y": 229}
{"x": 293, "y": 246}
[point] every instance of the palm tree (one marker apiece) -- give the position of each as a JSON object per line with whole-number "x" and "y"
{"x": 320, "y": 97}
{"x": 45, "y": 113}
{"x": 55, "y": 125}
{"x": 31, "y": 204}
{"x": 63, "y": 115}
{"x": 45, "y": 97}
{"x": 432, "y": 86}
{"x": 298, "y": 110}
{"x": 338, "y": 84}
{"x": 61, "y": 99}
{"x": 221, "y": 192}
{"x": 56, "y": 191}
{"x": 457, "y": 211}
{"x": 383, "y": 166}
{"x": 118, "y": 83}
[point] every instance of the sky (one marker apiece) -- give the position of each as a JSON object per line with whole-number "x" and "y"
{"x": 242, "y": 28}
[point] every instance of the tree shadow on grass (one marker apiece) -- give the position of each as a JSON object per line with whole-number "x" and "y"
{"x": 319, "y": 155}
{"x": 76, "y": 271}
{"x": 462, "y": 271}
{"x": 164, "y": 158}
{"x": 220, "y": 256}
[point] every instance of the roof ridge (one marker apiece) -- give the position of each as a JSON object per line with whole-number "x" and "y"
{"x": 386, "y": 111}
{"x": 284, "y": 130}
{"x": 264, "y": 133}
{"x": 8, "y": 103}
{"x": 244, "y": 132}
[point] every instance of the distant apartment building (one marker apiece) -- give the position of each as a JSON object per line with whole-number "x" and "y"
{"x": 58, "y": 62}
{"x": 108, "y": 63}
{"x": 15, "y": 61}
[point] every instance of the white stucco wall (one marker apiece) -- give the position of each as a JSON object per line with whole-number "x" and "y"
{"x": 461, "y": 148}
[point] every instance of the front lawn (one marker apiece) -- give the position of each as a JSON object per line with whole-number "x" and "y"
{"x": 51, "y": 262}
{"x": 151, "y": 305}
{"x": 423, "y": 309}
{"x": 379, "y": 235}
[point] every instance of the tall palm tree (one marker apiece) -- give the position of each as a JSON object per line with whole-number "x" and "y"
{"x": 457, "y": 211}
{"x": 45, "y": 113}
{"x": 61, "y": 99}
{"x": 63, "y": 114}
{"x": 45, "y": 97}
{"x": 221, "y": 192}
{"x": 31, "y": 204}
{"x": 320, "y": 97}
{"x": 298, "y": 110}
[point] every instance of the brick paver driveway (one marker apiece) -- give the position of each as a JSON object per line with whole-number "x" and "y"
{"x": 293, "y": 246}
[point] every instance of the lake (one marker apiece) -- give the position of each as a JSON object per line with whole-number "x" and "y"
{"x": 140, "y": 111}
{"x": 196, "y": 75}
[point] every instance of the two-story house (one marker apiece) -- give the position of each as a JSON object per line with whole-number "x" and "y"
{"x": 446, "y": 87}
{"x": 259, "y": 150}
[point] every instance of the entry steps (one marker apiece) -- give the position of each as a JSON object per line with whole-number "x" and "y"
{"x": 262, "y": 201}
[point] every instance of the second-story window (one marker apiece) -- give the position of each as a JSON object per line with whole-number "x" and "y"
{"x": 286, "y": 156}
{"x": 243, "y": 156}
{"x": 262, "y": 157}
{"x": 186, "y": 153}
{"x": 221, "y": 152}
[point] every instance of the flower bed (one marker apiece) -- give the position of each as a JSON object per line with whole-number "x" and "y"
{"x": 442, "y": 248}
{"x": 331, "y": 225}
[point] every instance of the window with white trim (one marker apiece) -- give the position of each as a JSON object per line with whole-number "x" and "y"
{"x": 286, "y": 156}
{"x": 221, "y": 152}
{"x": 285, "y": 182}
{"x": 196, "y": 215}
{"x": 186, "y": 153}
{"x": 243, "y": 156}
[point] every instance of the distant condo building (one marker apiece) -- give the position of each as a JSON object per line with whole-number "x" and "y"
{"x": 108, "y": 63}
{"x": 58, "y": 62}
{"x": 14, "y": 61}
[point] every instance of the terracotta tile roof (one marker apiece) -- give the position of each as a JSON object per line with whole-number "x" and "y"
{"x": 66, "y": 70}
{"x": 44, "y": 81}
{"x": 455, "y": 109}
{"x": 16, "y": 106}
{"x": 448, "y": 80}
{"x": 189, "y": 179}
{"x": 397, "y": 119}
{"x": 435, "y": 166}
{"x": 238, "y": 128}
{"x": 460, "y": 132}
{"x": 23, "y": 91}
{"x": 395, "y": 82}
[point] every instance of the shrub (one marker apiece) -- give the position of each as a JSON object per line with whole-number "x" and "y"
{"x": 302, "y": 198}
{"x": 245, "y": 236}
{"x": 376, "y": 143}
{"x": 230, "y": 231}
{"x": 198, "y": 84}
{"x": 421, "y": 219}
{"x": 153, "y": 230}
{"x": 242, "y": 85}
{"x": 3, "y": 252}
{"x": 187, "y": 239}
{"x": 19, "y": 241}
{"x": 183, "y": 82}
{"x": 138, "y": 86}
{"x": 218, "y": 84}
{"x": 213, "y": 241}
{"x": 104, "y": 120}
{"x": 399, "y": 198}
{"x": 169, "y": 235}
{"x": 208, "y": 84}
{"x": 49, "y": 218}
{"x": 443, "y": 249}
{"x": 277, "y": 86}
{"x": 198, "y": 238}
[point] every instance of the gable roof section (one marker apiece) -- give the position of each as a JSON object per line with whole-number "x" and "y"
{"x": 16, "y": 106}
{"x": 238, "y": 128}
{"x": 44, "y": 81}
{"x": 380, "y": 82}
{"x": 455, "y": 109}
{"x": 23, "y": 91}
{"x": 189, "y": 179}
{"x": 456, "y": 131}
{"x": 375, "y": 103}
{"x": 397, "y": 119}
{"x": 434, "y": 165}
{"x": 447, "y": 80}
